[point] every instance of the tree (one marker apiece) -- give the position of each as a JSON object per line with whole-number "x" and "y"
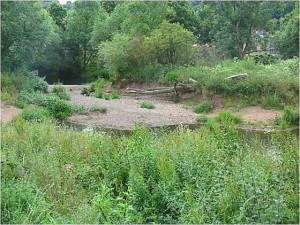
{"x": 287, "y": 38}
{"x": 27, "y": 29}
{"x": 79, "y": 29}
{"x": 235, "y": 23}
{"x": 115, "y": 54}
{"x": 171, "y": 44}
{"x": 58, "y": 14}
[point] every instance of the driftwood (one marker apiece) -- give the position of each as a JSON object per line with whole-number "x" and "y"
{"x": 163, "y": 90}
{"x": 241, "y": 76}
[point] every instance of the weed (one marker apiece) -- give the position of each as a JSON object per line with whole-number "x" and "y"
{"x": 204, "y": 107}
{"x": 96, "y": 108}
{"x": 202, "y": 118}
{"x": 35, "y": 114}
{"x": 99, "y": 94}
{"x": 58, "y": 108}
{"x": 291, "y": 116}
{"x": 61, "y": 92}
{"x": 115, "y": 95}
{"x": 228, "y": 117}
{"x": 147, "y": 105}
{"x": 106, "y": 96}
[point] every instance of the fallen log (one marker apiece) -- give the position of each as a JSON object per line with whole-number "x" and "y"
{"x": 162, "y": 90}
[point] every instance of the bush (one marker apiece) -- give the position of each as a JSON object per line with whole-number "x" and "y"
{"x": 98, "y": 85}
{"x": 147, "y": 105}
{"x": 58, "y": 108}
{"x": 99, "y": 94}
{"x": 96, "y": 108}
{"x": 22, "y": 203}
{"x": 228, "y": 117}
{"x": 106, "y": 96}
{"x": 61, "y": 92}
{"x": 265, "y": 59}
{"x": 115, "y": 95}
{"x": 291, "y": 116}
{"x": 202, "y": 118}
{"x": 34, "y": 83}
{"x": 204, "y": 107}
{"x": 35, "y": 114}
{"x": 11, "y": 84}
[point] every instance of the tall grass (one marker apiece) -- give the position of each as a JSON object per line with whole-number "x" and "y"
{"x": 272, "y": 85}
{"x": 51, "y": 174}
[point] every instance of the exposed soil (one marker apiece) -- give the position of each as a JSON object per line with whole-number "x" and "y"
{"x": 125, "y": 112}
{"x": 8, "y": 112}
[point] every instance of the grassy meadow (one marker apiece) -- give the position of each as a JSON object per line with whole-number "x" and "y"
{"x": 53, "y": 174}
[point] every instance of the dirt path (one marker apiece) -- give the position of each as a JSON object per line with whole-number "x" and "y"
{"x": 8, "y": 112}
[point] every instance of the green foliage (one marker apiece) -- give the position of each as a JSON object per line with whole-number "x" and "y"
{"x": 58, "y": 108}
{"x": 227, "y": 117}
{"x": 106, "y": 96}
{"x": 26, "y": 31}
{"x": 32, "y": 82}
{"x": 204, "y": 107}
{"x": 270, "y": 85}
{"x": 265, "y": 59}
{"x": 11, "y": 84}
{"x": 115, "y": 95}
{"x": 61, "y": 92}
{"x": 172, "y": 77}
{"x": 147, "y": 177}
{"x": 287, "y": 38}
{"x": 202, "y": 118}
{"x": 99, "y": 94}
{"x": 290, "y": 116}
{"x": 147, "y": 105}
{"x": 35, "y": 114}
{"x": 171, "y": 44}
{"x": 21, "y": 202}
{"x": 96, "y": 108}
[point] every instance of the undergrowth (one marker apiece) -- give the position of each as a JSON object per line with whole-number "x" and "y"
{"x": 54, "y": 175}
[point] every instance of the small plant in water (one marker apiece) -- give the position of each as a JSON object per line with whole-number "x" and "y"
{"x": 147, "y": 105}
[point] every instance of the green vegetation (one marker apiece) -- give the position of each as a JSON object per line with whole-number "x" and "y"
{"x": 205, "y": 176}
{"x": 61, "y": 92}
{"x": 290, "y": 117}
{"x": 204, "y": 107}
{"x": 227, "y": 117}
{"x": 202, "y": 118}
{"x": 115, "y": 95}
{"x": 35, "y": 114}
{"x": 270, "y": 85}
{"x": 96, "y": 108}
{"x": 147, "y": 105}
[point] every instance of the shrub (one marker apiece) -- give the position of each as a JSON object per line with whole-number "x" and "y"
{"x": 22, "y": 203}
{"x": 34, "y": 82}
{"x": 78, "y": 109}
{"x": 147, "y": 105}
{"x": 11, "y": 84}
{"x": 35, "y": 114}
{"x": 61, "y": 92}
{"x": 228, "y": 117}
{"x": 99, "y": 94}
{"x": 204, "y": 107}
{"x": 58, "y": 108}
{"x": 115, "y": 95}
{"x": 96, "y": 108}
{"x": 291, "y": 116}
{"x": 98, "y": 85}
{"x": 202, "y": 118}
{"x": 106, "y": 96}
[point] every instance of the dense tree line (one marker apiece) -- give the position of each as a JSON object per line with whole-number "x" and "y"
{"x": 136, "y": 39}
